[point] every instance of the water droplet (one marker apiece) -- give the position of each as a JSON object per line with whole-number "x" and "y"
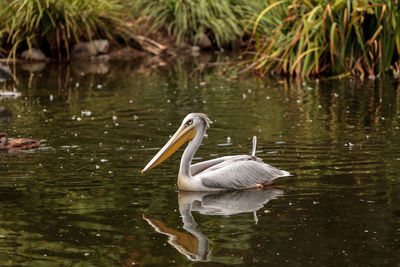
{"x": 86, "y": 113}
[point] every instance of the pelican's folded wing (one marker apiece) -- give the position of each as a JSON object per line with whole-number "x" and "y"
{"x": 201, "y": 166}
{"x": 241, "y": 174}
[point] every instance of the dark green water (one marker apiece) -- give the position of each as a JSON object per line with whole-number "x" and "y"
{"x": 81, "y": 200}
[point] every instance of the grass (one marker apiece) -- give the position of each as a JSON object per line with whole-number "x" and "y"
{"x": 304, "y": 38}
{"x": 223, "y": 21}
{"x": 56, "y": 24}
{"x": 298, "y": 38}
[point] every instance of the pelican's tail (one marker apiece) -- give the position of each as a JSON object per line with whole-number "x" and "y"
{"x": 253, "y": 151}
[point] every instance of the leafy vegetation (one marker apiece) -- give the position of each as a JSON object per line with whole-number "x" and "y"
{"x": 299, "y": 38}
{"x": 56, "y": 24}
{"x": 223, "y": 21}
{"x": 336, "y": 37}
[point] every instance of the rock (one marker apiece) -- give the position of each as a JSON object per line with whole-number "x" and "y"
{"x": 195, "y": 48}
{"x": 90, "y": 49}
{"x": 4, "y": 72}
{"x": 205, "y": 42}
{"x": 34, "y": 54}
{"x": 83, "y": 50}
{"x": 102, "y": 46}
{"x": 103, "y": 58}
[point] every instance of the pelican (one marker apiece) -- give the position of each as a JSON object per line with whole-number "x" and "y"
{"x": 224, "y": 173}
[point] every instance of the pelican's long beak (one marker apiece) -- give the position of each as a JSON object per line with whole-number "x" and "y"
{"x": 184, "y": 133}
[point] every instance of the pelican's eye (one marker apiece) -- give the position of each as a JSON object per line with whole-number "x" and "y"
{"x": 189, "y": 122}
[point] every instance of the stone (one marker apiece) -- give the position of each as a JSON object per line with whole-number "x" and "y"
{"x": 195, "y": 51}
{"x": 195, "y": 48}
{"x": 83, "y": 50}
{"x": 204, "y": 42}
{"x": 90, "y": 49}
{"x": 102, "y": 46}
{"x": 34, "y": 54}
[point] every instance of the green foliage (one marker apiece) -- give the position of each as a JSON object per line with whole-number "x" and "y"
{"x": 59, "y": 23}
{"x": 224, "y": 21}
{"x": 338, "y": 37}
{"x": 301, "y": 37}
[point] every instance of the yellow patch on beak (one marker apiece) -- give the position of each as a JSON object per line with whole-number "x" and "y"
{"x": 182, "y": 135}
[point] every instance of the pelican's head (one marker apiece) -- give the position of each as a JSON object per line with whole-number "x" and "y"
{"x": 191, "y": 125}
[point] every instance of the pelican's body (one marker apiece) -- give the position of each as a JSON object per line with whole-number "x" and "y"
{"x": 230, "y": 172}
{"x": 17, "y": 144}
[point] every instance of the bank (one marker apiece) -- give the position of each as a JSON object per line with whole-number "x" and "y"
{"x": 300, "y": 38}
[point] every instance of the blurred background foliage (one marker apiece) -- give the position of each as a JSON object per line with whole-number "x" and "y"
{"x": 298, "y": 38}
{"x": 335, "y": 37}
{"x": 54, "y": 25}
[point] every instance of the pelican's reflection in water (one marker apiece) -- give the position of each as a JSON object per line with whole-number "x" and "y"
{"x": 194, "y": 244}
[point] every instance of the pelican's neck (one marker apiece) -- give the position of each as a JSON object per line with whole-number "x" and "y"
{"x": 189, "y": 152}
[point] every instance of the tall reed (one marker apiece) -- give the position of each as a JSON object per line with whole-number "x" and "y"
{"x": 339, "y": 37}
{"x": 59, "y": 23}
{"x": 223, "y": 21}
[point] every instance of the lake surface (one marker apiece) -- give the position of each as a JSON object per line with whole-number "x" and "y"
{"x": 80, "y": 199}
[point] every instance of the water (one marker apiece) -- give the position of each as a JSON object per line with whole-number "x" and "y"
{"x": 80, "y": 198}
